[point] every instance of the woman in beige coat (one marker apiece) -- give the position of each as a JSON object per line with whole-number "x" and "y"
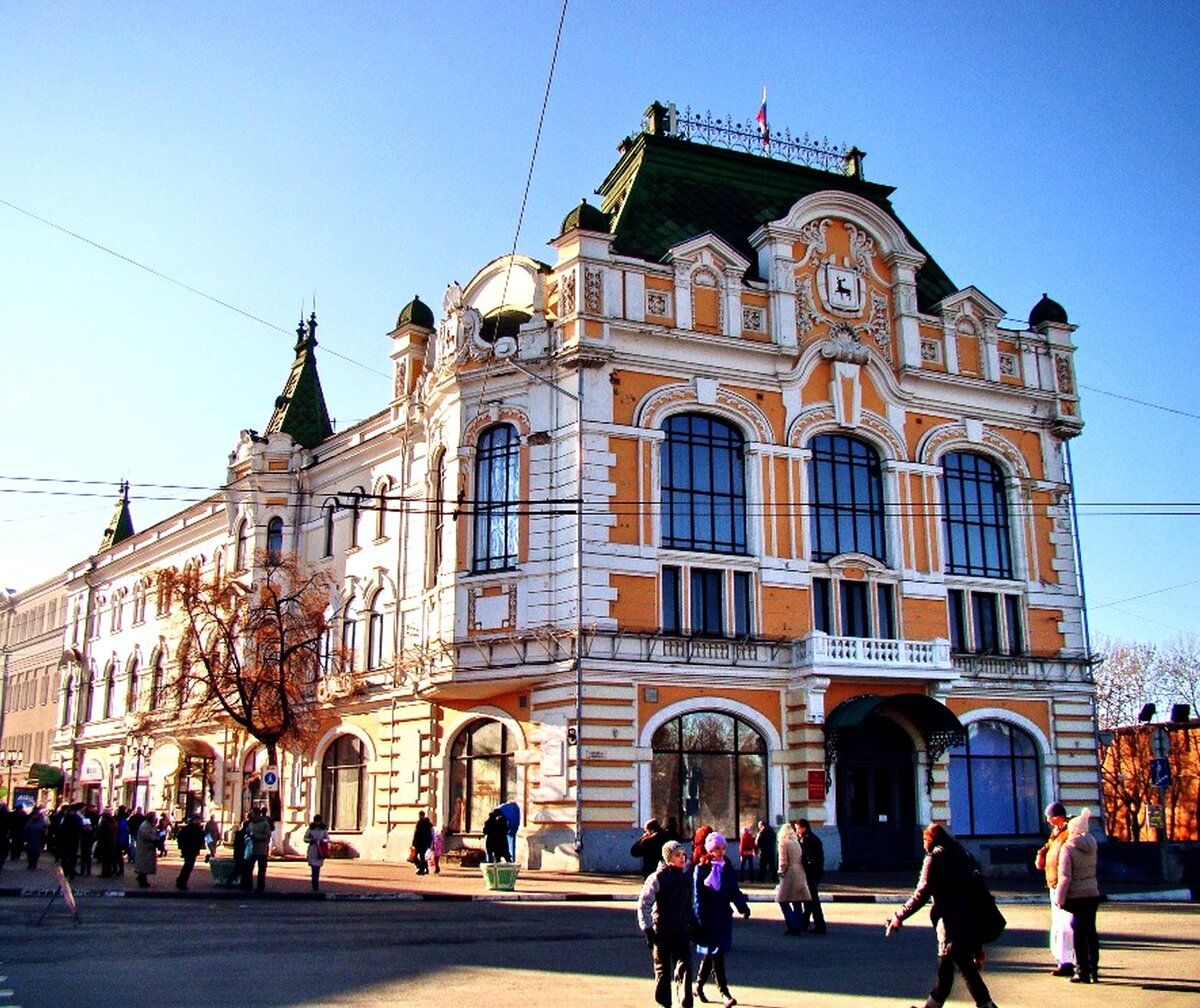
{"x": 792, "y": 891}
{"x": 145, "y": 851}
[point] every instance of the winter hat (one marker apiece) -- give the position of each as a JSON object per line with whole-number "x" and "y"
{"x": 670, "y": 847}
{"x": 1056, "y": 808}
{"x": 713, "y": 839}
{"x": 1079, "y": 825}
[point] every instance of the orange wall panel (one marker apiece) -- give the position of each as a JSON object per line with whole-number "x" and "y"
{"x": 1044, "y": 636}
{"x": 624, "y": 502}
{"x": 924, "y": 619}
{"x": 766, "y": 702}
{"x": 629, "y": 389}
{"x": 787, "y": 612}
{"x": 636, "y": 606}
{"x": 1037, "y": 711}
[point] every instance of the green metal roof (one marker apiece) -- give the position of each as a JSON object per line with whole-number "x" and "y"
{"x": 665, "y": 190}
{"x": 300, "y": 411}
{"x": 120, "y": 526}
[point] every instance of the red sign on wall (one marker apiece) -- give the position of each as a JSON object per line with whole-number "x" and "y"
{"x": 816, "y": 785}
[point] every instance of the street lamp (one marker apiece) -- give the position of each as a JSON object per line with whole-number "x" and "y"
{"x": 12, "y": 757}
{"x": 141, "y": 748}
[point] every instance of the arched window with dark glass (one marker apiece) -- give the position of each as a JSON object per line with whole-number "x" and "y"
{"x": 995, "y": 782}
{"x": 68, "y": 700}
{"x": 375, "y": 633}
{"x": 497, "y": 487}
{"x": 243, "y": 541}
{"x": 845, "y": 481}
{"x": 110, "y": 675}
{"x": 85, "y": 693}
{"x": 131, "y": 685}
{"x": 976, "y": 517}
{"x": 274, "y": 540}
{"x": 343, "y": 784}
{"x": 157, "y": 681}
{"x": 437, "y": 520}
{"x": 703, "y": 485}
{"x": 327, "y": 515}
{"x": 349, "y": 634}
{"x": 483, "y": 771}
{"x": 709, "y": 767}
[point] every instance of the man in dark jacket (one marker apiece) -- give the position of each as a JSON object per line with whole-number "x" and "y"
{"x": 649, "y": 847}
{"x": 190, "y": 838}
{"x": 768, "y": 852}
{"x": 422, "y": 840}
{"x": 667, "y": 918}
{"x": 812, "y": 860}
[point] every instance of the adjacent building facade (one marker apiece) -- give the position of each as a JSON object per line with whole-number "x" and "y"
{"x": 736, "y": 509}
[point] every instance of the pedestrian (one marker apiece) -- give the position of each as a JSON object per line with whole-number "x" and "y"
{"x": 106, "y": 844}
{"x": 495, "y": 836}
{"x": 422, "y": 840}
{"x": 17, "y": 818}
{"x": 944, "y": 878}
{"x": 768, "y": 853}
{"x": 698, "y": 839}
{"x": 792, "y": 892}
{"x": 317, "y": 838}
{"x": 190, "y": 840}
{"x": 34, "y": 837}
{"x": 649, "y": 847}
{"x": 812, "y": 857}
{"x": 243, "y": 855}
{"x": 436, "y": 851}
{"x": 261, "y": 829}
{"x": 1078, "y": 893}
{"x": 68, "y": 835}
{"x": 746, "y": 849}
{"x": 667, "y": 918}
{"x": 87, "y": 839}
{"x": 212, "y": 837}
{"x": 145, "y": 851}
{"x": 5, "y": 836}
{"x": 133, "y": 824}
{"x": 715, "y": 894}
{"x": 1062, "y": 939}
{"x": 122, "y": 839}
{"x": 164, "y": 830}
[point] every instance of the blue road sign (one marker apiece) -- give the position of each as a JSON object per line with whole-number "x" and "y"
{"x": 1160, "y": 772}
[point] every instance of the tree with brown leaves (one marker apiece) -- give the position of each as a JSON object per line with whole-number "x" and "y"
{"x": 253, "y": 650}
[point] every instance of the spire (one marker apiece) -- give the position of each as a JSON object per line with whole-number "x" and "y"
{"x": 120, "y": 526}
{"x": 301, "y": 411}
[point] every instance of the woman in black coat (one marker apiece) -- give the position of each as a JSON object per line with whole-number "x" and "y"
{"x": 944, "y": 880}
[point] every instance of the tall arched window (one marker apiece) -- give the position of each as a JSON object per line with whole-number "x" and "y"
{"x": 343, "y": 780}
{"x": 437, "y": 522}
{"x": 274, "y": 540}
{"x": 995, "y": 782}
{"x": 157, "y": 694}
{"x": 85, "y": 692}
{"x": 327, "y": 513}
{"x": 131, "y": 685}
{"x": 243, "y": 541}
{"x": 703, "y": 485}
{"x": 349, "y": 633}
{"x": 382, "y": 490}
{"x": 497, "y": 487}
{"x": 976, "y": 517}
{"x": 483, "y": 771}
{"x": 68, "y": 701}
{"x": 845, "y": 480}
{"x": 709, "y": 767}
{"x": 375, "y": 633}
{"x": 110, "y": 675}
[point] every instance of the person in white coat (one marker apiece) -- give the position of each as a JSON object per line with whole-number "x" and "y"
{"x": 317, "y": 838}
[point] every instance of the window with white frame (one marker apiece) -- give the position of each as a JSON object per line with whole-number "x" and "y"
{"x": 986, "y": 622}
{"x": 854, "y": 607}
{"x": 707, "y": 601}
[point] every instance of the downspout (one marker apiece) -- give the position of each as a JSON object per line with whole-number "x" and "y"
{"x": 579, "y": 609}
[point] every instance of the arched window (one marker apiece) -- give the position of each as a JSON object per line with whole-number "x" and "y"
{"x": 709, "y": 767}
{"x": 382, "y": 489}
{"x": 157, "y": 696}
{"x": 110, "y": 674}
{"x": 327, "y": 513}
{"x": 375, "y": 633}
{"x": 85, "y": 693}
{"x": 703, "y": 485}
{"x": 131, "y": 685}
{"x": 976, "y": 517}
{"x": 325, "y": 645}
{"x": 497, "y": 486}
{"x": 437, "y": 523}
{"x": 274, "y": 540}
{"x": 243, "y": 541}
{"x": 483, "y": 771}
{"x": 343, "y": 779}
{"x": 995, "y": 782}
{"x": 845, "y": 480}
{"x": 68, "y": 701}
{"x": 349, "y": 633}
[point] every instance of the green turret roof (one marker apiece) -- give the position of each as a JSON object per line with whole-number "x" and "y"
{"x": 416, "y": 312}
{"x": 120, "y": 526}
{"x": 301, "y": 411}
{"x": 665, "y": 190}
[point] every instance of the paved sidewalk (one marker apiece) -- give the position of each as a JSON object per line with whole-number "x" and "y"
{"x": 360, "y": 879}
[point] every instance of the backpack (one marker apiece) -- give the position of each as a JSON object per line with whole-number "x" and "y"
{"x": 986, "y": 918}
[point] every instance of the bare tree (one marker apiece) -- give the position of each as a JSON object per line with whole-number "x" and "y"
{"x": 255, "y": 649}
{"x": 1126, "y": 678}
{"x": 1178, "y": 673}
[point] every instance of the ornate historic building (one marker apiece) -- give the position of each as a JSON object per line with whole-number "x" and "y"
{"x": 737, "y": 509}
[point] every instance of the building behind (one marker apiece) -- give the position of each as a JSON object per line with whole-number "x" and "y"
{"x": 738, "y": 509}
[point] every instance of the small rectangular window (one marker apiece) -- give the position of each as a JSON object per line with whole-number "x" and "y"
{"x": 987, "y": 624}
{"x": 708, "y": 602}
{"x": 821, "y": 608}
{"x": 958, "y": 619}
{"x": 1012, "y": 620}
{"x": 672, "y": 611}
{"x": 743, "y": 623}
{"x": 885, "y": 611}
{"x": 856, "y": 614}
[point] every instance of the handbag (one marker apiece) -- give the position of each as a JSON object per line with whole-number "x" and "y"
{"x": 323, "y": 847}
{"x": 412, "y": 855}
{"x": 989, "y": 922}
{"x": 248, "y": 848}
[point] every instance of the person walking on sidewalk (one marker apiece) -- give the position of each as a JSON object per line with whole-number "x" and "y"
{"x": 667, "y": 919}
{"x": 1062, "y": 938}
{"x": 768, "y": 852}
{"x": 812, "y": 857}
{"x": 190, "y": 839}
{"x": 317, "y": 838}
{"x": 145, "y": 851}
{"x": 792, "y": 892}
{"x": 649, "y": 846}
{"x": 746, "y": 849}
{"x": 261, "y": 829}
{"x": 422, "y": 840}
{"x": 1079, "y": 894}
{"x": 944, "y": 880}
{"x": 715, "y": 894}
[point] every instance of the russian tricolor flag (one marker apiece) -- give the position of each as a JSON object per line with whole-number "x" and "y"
{"x": 763, "y": 129}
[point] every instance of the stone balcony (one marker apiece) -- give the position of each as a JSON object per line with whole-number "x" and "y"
{"x": 823, "y": 655}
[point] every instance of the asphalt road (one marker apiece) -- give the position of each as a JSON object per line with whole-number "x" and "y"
{"x": 145, "y": 953}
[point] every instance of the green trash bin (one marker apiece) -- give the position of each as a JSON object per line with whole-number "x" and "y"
{"x": 499, "y": 875}
{"x": 222, "y": 871}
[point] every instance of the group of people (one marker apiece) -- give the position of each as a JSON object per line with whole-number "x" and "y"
{"x": 690, "y": 895}
{"x": 1069, "y": 860}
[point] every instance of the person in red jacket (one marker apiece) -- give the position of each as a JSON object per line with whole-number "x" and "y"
{"x": 746, "y": 849}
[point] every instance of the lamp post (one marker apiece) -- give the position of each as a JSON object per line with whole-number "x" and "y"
{"x": 141, "y": 748}
{"x": 12, "y": 757}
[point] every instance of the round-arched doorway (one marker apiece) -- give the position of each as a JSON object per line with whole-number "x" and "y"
{"x": 877, "y": 796}
{"x": 709, "y": 767}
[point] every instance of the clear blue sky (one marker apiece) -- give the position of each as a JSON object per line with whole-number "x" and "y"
{"x": 365, "y": 152}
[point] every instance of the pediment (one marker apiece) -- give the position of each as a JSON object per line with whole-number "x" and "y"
{"x": 708, "y": 249}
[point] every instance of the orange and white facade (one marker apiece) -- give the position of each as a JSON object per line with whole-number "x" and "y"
{"x": 703, "y": 519}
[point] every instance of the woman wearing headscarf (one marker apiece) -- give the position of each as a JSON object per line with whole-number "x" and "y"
{"x": 1078, "y": 893}
{"x": 716, "y": 893}
{"x": 792, "y": 892}
{"x": 944, "y": 879}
